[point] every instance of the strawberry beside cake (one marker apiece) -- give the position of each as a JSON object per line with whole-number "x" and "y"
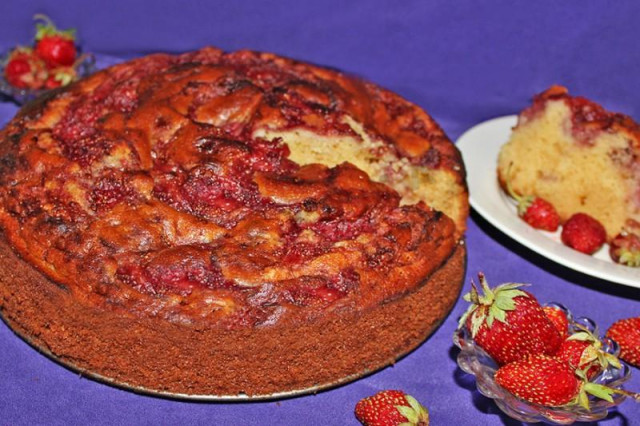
{"x": 228, "y": 223}
{"x": 576, "y": 155}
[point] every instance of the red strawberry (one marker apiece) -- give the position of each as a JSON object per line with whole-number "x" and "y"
{"x": 551, "y": 382}
{"x": 60, "y": 77}
{"x": 625, "y": 249}
{"x": 391, "y": 408}
{"x": 626, "y": 333}
{"x": 583, "y": 233}
{"x": 583, "y": 351}
{"x": 55, "y": 47}
{"x": 25, "y": 70}
{"x": 508, "y": 323}
{"x": 559, "y": 319}
{"x": 536, "y": 211}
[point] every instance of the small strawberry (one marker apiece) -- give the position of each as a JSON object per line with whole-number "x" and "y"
{"x": 55, "y": 47}
{"x": 583, "y": 233}
{"x": 25, "y": 70}
{"x": 508, "y": 323}
{"x": 60, "y": 77}
{"x": 391, "y": 408}
{"x": 583, "y": 351}
{"x": 626, "y": 333}
{"x": 559, "y": 319}
{"x": 536, "y": 211}
{"x": 625, "y": 249}
{"x": 549, "y": 381}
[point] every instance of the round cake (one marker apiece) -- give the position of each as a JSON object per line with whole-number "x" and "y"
{"x": 228, "y": 224}
{"x": 578, "y": 156}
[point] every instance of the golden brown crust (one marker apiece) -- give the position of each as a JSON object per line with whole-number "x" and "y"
{"x": 151, "y": 238}
{"x": 144, "y": 187}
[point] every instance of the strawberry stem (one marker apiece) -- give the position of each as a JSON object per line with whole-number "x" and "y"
{"x": 42, "y": 17}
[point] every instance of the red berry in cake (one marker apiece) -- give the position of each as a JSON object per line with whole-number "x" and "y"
{"x": 391, "y": 408}
{"x": 508, "y": 323}
{"x": 626, "y": 333}
{"x": 24, "y": 70}
{"x": 583, "y": 351}
{"x": 583, "y": 233}
{"x": 536, "y": 211}
{"x": 625, "y": 249}
{"x": 54, "y": 46}
{"x": 549, "y": 381}
{"x": 559, "y": 319}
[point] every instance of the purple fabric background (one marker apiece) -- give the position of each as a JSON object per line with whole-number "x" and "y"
{"x": 464, "y": 62}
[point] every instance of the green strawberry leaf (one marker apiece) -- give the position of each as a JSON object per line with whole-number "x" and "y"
{"x": 497, "y": 313}
{"x": 463, "y": 318}
{"x": 510, "y": 286}
{"x": 512, "y": 294}
{"x": 581, "y": 336}
{"x": 505, "y": 304}
{"x": 583, "y": 400}
{"x": 612, "y": 359}
{"x": 408, "y": 412}
{"x": 599, "y": 391}
{"x": 477, "y": 319}
{"x": 413, "y": 403}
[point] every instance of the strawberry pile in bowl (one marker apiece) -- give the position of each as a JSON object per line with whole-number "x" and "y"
{"x": 52, "y": 61}
{"x": 537, "y": 362}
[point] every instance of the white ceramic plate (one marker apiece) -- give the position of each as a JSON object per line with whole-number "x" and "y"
{"x": 480, "y": 146}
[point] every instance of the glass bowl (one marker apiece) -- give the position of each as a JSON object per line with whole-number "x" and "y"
{"x": 474, "y": 360}
{"x": 85, "y": 67}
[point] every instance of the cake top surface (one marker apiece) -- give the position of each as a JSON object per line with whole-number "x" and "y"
{"x": 145, "y": 187}
{"x": 587, "y": 116}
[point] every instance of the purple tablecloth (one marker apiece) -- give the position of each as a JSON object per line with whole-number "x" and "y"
{"x": 464, "y": 62}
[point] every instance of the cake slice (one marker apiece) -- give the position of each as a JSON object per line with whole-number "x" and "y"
{"x": 578, "y": 156}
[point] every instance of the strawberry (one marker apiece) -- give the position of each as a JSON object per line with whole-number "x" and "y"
{"x": 24, "y": 69}
{"x": 583, "y": 351}
{"x": 626, "y": 333}
{"x": 536, "y": 211}
{"x": 55, "y": 47}
{"x": 508, "y": 323}
{"x": 549, "y": 381}
{"x": 583, "y": 233}
{"x": 625, "y": 249}
{"x": 391, "y": 408}
{"x": 60, "y": 77}
{"x": 559, "y": 320}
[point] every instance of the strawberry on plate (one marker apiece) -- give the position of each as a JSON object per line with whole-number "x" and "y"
{"x": 56, "y": 47}
{"x": 625, "y": 249}
{"x": 626, "y": 333}
{"x": 536, "y": 211}
{"x": 549, "y": 381}
{"x": 391, "y": 408}
{"x": 508, "y": 323}
{"x": 583, "y": 233}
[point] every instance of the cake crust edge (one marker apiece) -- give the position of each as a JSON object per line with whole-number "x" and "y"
{"x": 179, "y": 360}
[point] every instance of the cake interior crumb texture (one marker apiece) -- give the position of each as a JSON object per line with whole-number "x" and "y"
{"x": 589, "y": 171}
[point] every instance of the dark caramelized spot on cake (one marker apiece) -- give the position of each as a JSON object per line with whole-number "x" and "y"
{"x": 147, "y": 185}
